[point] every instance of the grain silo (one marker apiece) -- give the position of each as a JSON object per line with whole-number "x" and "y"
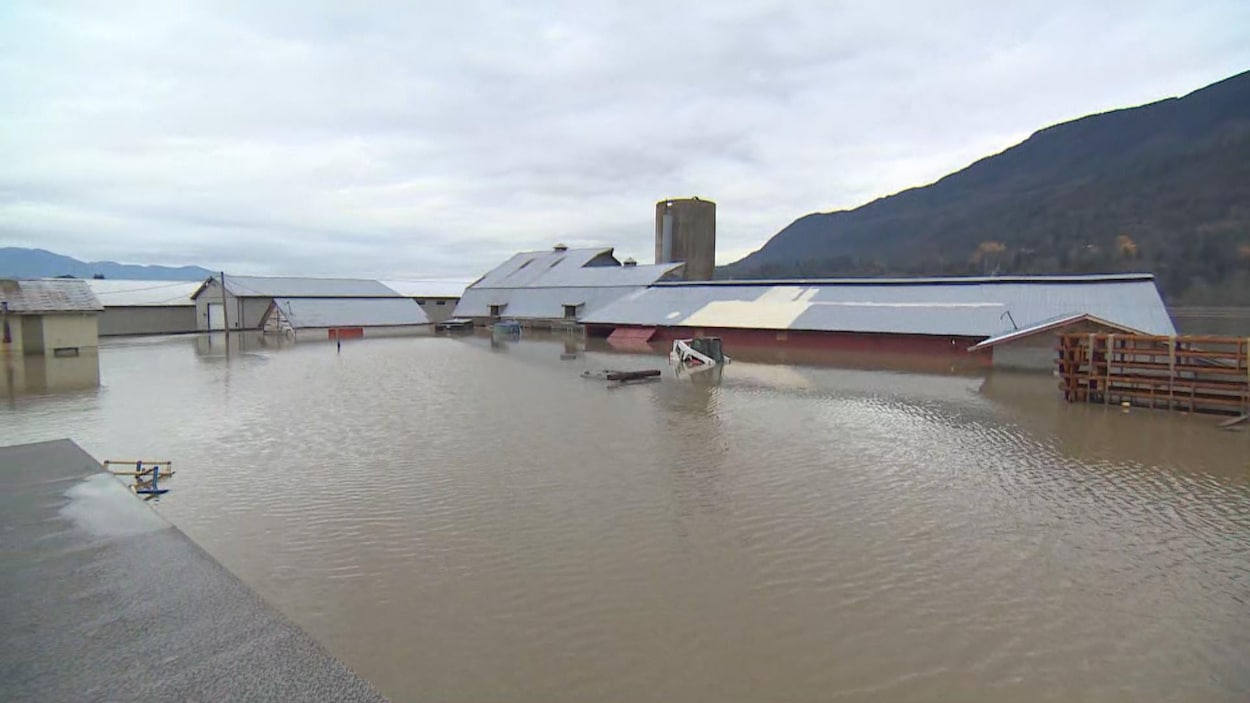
{"x": 685, "y": 230}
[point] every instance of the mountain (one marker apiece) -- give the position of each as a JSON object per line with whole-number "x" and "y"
{"x": 1163, "y": 187}
{"x": 38, "y": 263}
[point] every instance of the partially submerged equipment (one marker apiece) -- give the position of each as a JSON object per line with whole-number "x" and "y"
{"x": 147, "y": 474}
{"x": 697, "y": 354}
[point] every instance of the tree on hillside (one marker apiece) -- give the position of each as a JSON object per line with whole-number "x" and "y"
{"x": 988, "y": 255}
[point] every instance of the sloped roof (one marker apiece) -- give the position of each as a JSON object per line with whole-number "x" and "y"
{"x": 570, "y": 268}
{"x": 303, "y": 313}
{"x": 538, "y": 284}
{"x": 428, "y": 288}
{"x": 1049, "y": 324}
{"x": 114, "y": 293}
{"x": 981, "y": 306}
{"x": 296, "y": 287}
{"x": 30, "y": 297}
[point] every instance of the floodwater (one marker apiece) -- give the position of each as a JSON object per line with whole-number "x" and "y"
{"x": 465, "y": 522}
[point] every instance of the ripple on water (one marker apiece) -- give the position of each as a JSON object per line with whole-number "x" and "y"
{"x": 462, "y": 523}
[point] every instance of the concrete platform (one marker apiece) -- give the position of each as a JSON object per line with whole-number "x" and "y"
{"x": 103, "y": 600}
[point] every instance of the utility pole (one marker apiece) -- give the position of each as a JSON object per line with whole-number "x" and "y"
{"x": 225, "y": 316}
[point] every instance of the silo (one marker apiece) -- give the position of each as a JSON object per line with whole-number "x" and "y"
{"x": 685, "y": 230}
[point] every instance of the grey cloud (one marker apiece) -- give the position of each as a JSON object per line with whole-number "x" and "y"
{"x": 424, "y": 139}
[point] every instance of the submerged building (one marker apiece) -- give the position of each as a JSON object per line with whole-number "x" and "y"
{"x": 1006, "y": 321}
{"x": 145, "y": 307}
{"x": 55, "y": 317}
{"x": 335, "y": 307}
{"x": 557, "y": 286}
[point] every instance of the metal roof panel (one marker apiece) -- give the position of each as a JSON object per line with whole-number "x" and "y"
{"x": 36, "y": 297}
{"x": 303, "y": 313}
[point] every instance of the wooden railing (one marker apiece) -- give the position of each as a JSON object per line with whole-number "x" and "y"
{"x": 1190, "y": 373}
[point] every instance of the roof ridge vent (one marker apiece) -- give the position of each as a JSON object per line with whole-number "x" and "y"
{"x": 561, "y": 247}
{"x": 629, "y": 262}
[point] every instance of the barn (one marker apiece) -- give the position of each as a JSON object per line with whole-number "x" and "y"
{"x": 557, "y": 286}
{"x": 1005, "y": 321}
{"x": 341, "y": 307}
{"x": 145, "y": 307}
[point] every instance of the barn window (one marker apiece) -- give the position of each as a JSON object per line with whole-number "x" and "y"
{"x": 496, "y": 310}
{"x": 440, "y": 302}
{"x": 62, "y": 352}
{"x": 570, "y": 312}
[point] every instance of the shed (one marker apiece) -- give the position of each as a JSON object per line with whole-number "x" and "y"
{"x": 247, "y": 299}
{"x": 51, "y": 318}
{"x": 947, "y": 316}
{"x": 145, "y": 307}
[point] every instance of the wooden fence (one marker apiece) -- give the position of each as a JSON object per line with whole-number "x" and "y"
{"x": 1205, "y": 374}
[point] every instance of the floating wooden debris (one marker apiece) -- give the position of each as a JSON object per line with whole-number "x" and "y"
{"x": 620, "y": 377}
{"x": 147, "y": 474}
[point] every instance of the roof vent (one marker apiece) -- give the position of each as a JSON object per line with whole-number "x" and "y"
{"x": 561, "y": 247}
{"x": 629, "y": 262}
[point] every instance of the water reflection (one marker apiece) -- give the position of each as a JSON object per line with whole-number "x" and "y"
{"x": 37, "y": 374}
{"x": 459, "y": 524}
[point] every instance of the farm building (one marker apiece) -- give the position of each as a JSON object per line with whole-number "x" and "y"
{"x": 557, "y": 285}
{"x": 344, "y": 318}
{"x": 247, "y": 302}
{"x": 50, "y": 318}
{"x": 145, "y": 307}
{"x": 1006, "y": 321}
{"x": 437, "y": 297}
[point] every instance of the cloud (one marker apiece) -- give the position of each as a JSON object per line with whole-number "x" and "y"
{"x": 420, "y": 139}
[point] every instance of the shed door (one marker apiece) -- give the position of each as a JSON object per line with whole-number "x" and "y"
{"x": 216, "y": 316}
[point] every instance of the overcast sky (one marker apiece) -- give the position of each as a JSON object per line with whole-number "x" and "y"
{"x": 408, "y": 139}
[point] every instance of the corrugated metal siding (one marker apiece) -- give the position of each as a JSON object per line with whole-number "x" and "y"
{"x": 48, "y": 296}
{"x": 973, "y": 307}
{"x": 123, "y": 293}
{"x": 347, "y": 312}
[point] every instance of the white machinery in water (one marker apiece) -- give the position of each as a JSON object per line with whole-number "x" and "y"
{"x": 697, "y": 354}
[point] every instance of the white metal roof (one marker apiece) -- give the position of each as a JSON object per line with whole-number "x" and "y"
{"x": 113, "y": 293}
{"x": 428, "y": 288}
{"x": 303, "y": 313}
{"x": 982, "y": 307}
{"x": 1052, "y": 323}
{"x": 570, "y": 268}
{"x": 538, "y": 284}
{"x": 293, "y": 287}
{"x": 36, "y": 297}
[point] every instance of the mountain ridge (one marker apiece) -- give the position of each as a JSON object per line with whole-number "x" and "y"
{"x": 1171, "y": 177}
{"x": 19, "y": 262}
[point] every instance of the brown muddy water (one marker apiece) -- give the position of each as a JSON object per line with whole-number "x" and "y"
{"x": 460, "y": 522}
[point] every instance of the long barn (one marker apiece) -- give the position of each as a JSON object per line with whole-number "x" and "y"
{"x": 999, "y": 320}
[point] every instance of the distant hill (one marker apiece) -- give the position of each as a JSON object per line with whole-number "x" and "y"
{"x": 1164, "y": 187}
{"x": 38, "y": 263}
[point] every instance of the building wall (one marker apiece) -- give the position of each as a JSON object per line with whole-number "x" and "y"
{"x": 1038, "y": 352}
{"x": 947, "y": 348}
{"x": 241, "y": 313}
{"x": 1229, "y": 320}
{"x": 685, "y": 230}
{"x": 147, "y": 319}
{"x": 32, "y": 334}
{"x": 438, "y": 312}
{"x": 319, "y": 334}
{"x": 70, "y": 330}
{"x": 15, "y": 345}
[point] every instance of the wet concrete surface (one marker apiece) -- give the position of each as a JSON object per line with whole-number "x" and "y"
{"x": 103, "y": 600}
